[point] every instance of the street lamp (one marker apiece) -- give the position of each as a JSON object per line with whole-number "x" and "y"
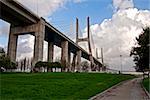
{"x": 121, "y": 63}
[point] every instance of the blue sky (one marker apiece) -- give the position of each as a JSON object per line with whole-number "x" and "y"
{"x": 3, "y": 40}
{"x": 94, "y": 9}
{"x": 3, "y": 37}
{"x": 98, "y": 10}
{"x": 142, "y": 4}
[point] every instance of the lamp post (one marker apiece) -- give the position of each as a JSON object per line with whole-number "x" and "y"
{"x": 121, "y": 63}
{"x": 149, "y": 54}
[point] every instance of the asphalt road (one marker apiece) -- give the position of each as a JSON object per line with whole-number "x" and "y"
{"x": 129, "y": 90}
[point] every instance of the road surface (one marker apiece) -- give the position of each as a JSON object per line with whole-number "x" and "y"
{"x": 129, "y": 90}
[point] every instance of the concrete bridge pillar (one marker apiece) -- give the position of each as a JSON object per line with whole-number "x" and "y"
{"x": 73, "y": 63}
{"x": 91, "y": 63}
{"x": 69, "y": 61}
{"x": 39, "y": 32}
{"x": 12, "y": 45}
{"x": 39, "y": 41}
{"x": 50, "y": 51}
{"x": 64, "y": 54}
{"x": 78, "y": 61}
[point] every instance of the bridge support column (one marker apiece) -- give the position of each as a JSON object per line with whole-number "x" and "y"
{"x": 12, "y": 45}
{"x": 64, "y": 54}
{"x": 50, "y": 51}
{"x": 69, "y": 62}
{"x": 39, "y": 41}
{"x": 91, "y": 64}
{"x": 78, "y": 61}
{"x": 73, "y": 63}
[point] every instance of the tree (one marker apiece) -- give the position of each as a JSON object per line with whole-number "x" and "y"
{"x": 5, "y": 61}
{"x": 85, "y": 65}
{"x": 57, "y": 65}
{"x": 45, "y": 65}
{"x": 141, "y": 51}
{"x": 48, "y": 65}
{"x": 2, "y": 51}
{"x": 38, "y": 65}
{"x": 54, "y": 65}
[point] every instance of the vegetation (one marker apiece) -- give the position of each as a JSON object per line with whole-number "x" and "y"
{"x": 2, "y": 51}
{"x": 141, "y": 51}
{"x": 58, "y": 86}
{"x": 5, "y": 61}
{"x": 48, "y": 65}
{"x": 146, "y": 84}
{"x": 85, "y": 65}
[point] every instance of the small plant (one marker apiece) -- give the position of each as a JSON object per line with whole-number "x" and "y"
{"x": 6, "y": 63}
{"x": 38, "y": 66}
{"x": 48, "y": 65}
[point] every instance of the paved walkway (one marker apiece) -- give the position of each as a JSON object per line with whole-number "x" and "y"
{"x": 129, "y": 90}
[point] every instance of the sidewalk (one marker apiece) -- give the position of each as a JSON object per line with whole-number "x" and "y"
{"x": 129, "y": 90}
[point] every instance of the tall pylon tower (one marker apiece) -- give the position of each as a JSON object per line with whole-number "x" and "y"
{"x": 102, "y": 58}
{"x": 86, "y": 39}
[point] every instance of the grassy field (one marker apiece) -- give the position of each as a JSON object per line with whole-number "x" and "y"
{"x": 52, "y": 86}
{"x": 146, "y": 84}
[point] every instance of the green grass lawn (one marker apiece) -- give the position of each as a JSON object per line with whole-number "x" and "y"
{"x": 146, "y": 84}
{"x": 52, "y": 86}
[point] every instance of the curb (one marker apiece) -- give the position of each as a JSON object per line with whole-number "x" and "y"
{"x": 102, "y": 93}
{"x": 147, "y": 93}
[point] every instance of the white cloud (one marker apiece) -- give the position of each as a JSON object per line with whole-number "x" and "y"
{"x": 78, "y": 1}
{"x": 43, "y": 8}
{"x": 117, "y": 35}
{"x": 122, "y": 4}
{"x": 25, "y": 47}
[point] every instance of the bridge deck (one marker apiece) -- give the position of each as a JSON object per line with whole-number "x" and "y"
{"x": 16, "y": 14}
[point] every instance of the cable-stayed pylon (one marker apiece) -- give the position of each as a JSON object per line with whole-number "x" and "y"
{"x": 86, "y": 39}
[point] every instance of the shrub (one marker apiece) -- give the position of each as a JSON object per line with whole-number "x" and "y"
{"x": 13, "y": 65}
{"x": 48, "y": 65}
{"x": 57, "y": 65}
{"x": 54, "y": 65}
{"x": 39, "y": 64}
{"x": 85, "y": 65}
{"x": 6, "y": 63}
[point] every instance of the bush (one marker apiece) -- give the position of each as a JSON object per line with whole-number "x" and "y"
{"x": 39, "y": 64}
{"x": 6, "y": 63}
{"x": 85, "y": 65}
{"x": 13, "y": 65}
{"x": 48, "y": 65}
{"x": 56, "y": 65}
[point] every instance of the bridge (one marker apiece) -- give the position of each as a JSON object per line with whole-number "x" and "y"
{"x": 23, "y": 22}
